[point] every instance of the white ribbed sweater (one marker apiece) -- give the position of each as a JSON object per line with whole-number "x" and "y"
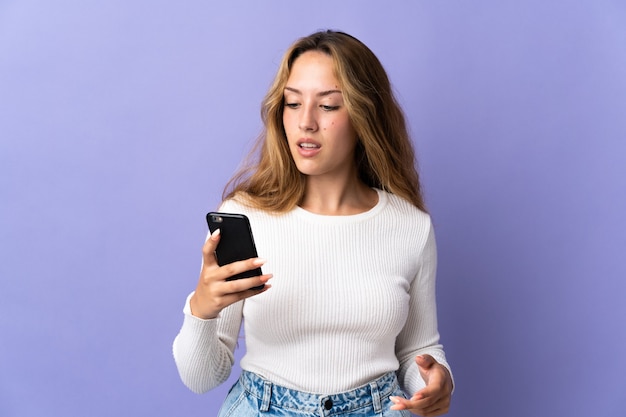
{"x": 352, "y": 297}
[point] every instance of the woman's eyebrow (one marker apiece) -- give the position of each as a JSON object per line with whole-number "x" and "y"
{"x": 320, "y": 94}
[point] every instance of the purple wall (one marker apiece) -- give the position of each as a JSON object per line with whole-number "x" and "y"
{"x": 121, "y": 121}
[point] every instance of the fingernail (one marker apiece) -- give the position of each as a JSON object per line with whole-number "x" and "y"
{"x": 259, "y": 261}
{"x": 216, "y": 233}
{"x": 395, "y": 400}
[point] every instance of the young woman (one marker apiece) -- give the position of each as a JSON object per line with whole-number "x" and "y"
{"x": 348, "y": 324}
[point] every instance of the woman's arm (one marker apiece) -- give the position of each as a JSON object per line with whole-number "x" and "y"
{"x": 204, "y": 349}
{"x": 420, "y": 335}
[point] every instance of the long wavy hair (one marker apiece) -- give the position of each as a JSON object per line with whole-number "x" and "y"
{"x": 384, "y": 154}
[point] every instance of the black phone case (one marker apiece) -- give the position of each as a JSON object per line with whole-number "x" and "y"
{"x": 236, "y": 241}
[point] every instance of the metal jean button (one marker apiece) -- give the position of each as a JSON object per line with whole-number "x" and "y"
{"x": 328, "y": 404}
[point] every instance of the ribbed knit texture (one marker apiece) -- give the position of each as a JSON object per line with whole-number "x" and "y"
{"x": 352, "y": 297}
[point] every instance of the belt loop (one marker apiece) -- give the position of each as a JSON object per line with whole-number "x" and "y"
{"x": 267, "y": 396}
{"x": 376, "y": 397}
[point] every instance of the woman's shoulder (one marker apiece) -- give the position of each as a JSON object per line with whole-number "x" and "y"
{"x": 242, "y": 203}
{"x": 407, "y": 224}
{"x": 403, "y": 207}
{"x": 239, "y": 203}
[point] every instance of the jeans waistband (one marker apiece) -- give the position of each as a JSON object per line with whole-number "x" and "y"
{"x": 270, "y": 394}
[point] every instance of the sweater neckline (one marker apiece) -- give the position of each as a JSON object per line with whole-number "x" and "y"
{"x": 349, "y": 218}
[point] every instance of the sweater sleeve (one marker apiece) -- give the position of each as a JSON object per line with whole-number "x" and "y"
{"x": 420, "y": 334}
{"x": 204, "y": 349}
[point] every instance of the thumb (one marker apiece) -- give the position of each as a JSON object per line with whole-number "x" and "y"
{"x": 424, "y": 363}
{"x": 208, "y": 250}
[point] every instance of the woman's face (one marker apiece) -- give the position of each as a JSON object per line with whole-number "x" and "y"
{"x": 319, "y": 132}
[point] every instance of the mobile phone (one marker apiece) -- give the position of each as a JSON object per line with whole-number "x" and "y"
{"x": 236, "y": 241}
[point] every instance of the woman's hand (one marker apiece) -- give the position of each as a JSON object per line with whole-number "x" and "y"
{"x": 213, "y": 292}
{"x": 434, "y": 399}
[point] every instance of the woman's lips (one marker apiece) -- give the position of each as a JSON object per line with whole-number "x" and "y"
{"x": 308, "y": 148}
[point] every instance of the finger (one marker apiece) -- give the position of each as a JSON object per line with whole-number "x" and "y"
{"x": 418, "y": 401}
{"x": 432, "y": 399}
{"x": 208, "y": 250}
{"x": 243, "y": 284}
{"x": 440, "y": 407}
{"x": 423, "y": 398}
{"x": 425, "y": 365}
{"x": 238, "y": 267}
{"x": 233, "y": 297}
{"x": 400, "y": 403}
{"x": 209, "y": 300}
{"x": 418, "y": 407}
{"x": 436, "y": 385}
{"x": 437, "y": 409}
{"x": 425, "y": 361}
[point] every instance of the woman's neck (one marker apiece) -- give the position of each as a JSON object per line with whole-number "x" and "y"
{"x": 338, "y": 198}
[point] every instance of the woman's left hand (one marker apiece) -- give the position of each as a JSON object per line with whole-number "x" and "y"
{"x": 434, "y": 399}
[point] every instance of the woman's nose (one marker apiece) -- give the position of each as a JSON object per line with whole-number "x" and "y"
{"x": 307, "y": 121}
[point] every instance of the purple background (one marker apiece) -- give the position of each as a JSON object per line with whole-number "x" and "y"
{"x": 121, "y": 121}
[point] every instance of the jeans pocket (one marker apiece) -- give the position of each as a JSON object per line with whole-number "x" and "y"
{"x": 236, "y": 404}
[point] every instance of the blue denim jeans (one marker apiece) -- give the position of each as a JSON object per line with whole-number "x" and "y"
{"x": 254, "y": 396}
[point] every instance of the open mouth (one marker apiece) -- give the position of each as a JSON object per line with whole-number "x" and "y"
{"x": 308, "y": 145}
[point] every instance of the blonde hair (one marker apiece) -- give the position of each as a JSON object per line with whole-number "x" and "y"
{"x": 384, "y": 152}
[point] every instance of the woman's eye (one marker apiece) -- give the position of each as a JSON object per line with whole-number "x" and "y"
{"x": 329, "y": 108}
{"x": 292, "y": 105}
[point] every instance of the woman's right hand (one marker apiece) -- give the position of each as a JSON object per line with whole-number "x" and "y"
{"x": 213, "y": 292}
